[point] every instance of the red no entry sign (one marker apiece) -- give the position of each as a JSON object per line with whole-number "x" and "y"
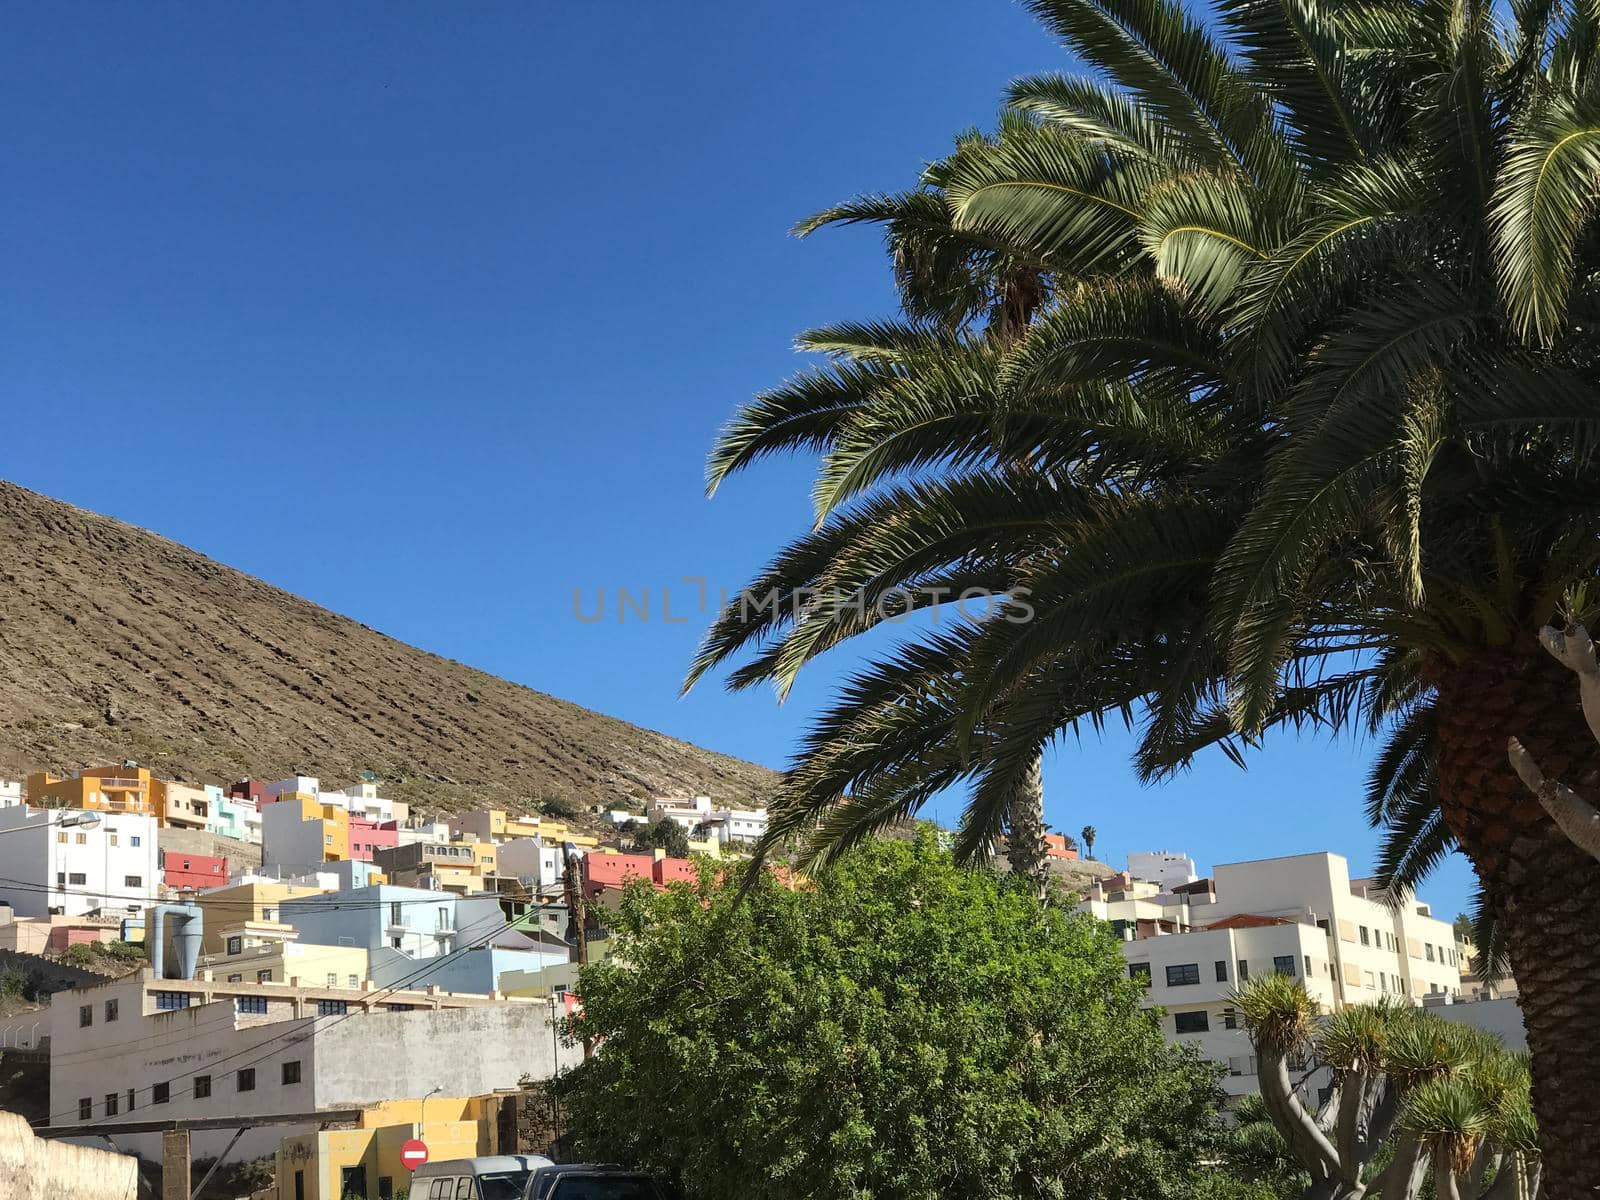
{"x": 413, "y": 1154}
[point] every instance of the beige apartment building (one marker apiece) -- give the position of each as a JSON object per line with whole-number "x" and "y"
{"x": 1301, "y": 915}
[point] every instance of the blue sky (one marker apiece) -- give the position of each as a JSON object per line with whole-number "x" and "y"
{"x": 429, "y": 315}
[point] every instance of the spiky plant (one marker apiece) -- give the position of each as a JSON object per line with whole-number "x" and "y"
{"x": 1256, "y": 375}
{"x": 1448, "y": 1115}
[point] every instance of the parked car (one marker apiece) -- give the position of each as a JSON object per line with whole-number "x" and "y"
{"x": 489, "y": 1177}
{"x": 590, "y": 1181}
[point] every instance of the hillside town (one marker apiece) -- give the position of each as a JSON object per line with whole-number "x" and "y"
{"x": 261, "y": 983}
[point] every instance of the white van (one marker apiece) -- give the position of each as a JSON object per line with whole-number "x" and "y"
{"x": 490, "y": 1177}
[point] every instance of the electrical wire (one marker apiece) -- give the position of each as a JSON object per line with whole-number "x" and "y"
{"x": 302, "y": 1023}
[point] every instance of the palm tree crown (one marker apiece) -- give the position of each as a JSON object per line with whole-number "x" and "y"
{"x": 1254, "y": 375}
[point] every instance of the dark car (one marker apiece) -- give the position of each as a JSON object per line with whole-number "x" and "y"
{"x": 591, "y": 1181}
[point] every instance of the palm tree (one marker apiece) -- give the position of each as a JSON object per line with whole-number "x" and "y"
{"x": 1292, "y": 425}
{"x": 1087, "y": 837}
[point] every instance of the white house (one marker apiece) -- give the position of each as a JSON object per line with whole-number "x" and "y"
{"x": 363, "y": 800}
{"x": 533, "y": 858}
{"x": 1163, "y": 867}
{"x": 140, "y": 1048}
{"x": 111, "y": 867}
{"x": 726, "y": 824}
{"x": 1300, "y": 915}
{"x": 10, "y": 793}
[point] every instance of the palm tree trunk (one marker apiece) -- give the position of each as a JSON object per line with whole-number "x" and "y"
{"x": 1025, "y": 844}
{"x": 1544, "y": 890}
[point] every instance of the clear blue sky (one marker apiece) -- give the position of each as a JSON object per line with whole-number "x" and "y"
{"x": 429, "y": 313}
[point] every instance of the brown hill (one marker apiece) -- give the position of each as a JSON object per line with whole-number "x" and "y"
{"x": 117, "y": 643}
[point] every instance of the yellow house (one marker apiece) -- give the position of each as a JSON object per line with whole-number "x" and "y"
{"x": 241, "y": 903}
{"x": 365, "y": 1161}
{"x": 333, "y": 819}
{"x": 103, "y": 789}
{"x": 496, "y": 825}
{"x": 267, "y": 952}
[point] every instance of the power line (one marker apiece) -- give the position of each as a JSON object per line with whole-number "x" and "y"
{"x": 301, "y": 1024}
{"x": 44, "y": 889}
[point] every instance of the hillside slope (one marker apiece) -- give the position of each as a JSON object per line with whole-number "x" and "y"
{"x": 117, "y": 643}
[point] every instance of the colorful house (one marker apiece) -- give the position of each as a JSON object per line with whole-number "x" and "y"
{"x": 365, "y": 1161}
{"x": 124, "y": 789}
{"x": 192, "y": 872}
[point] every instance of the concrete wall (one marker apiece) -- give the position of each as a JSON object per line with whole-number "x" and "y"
{"x": 1500, "y": 1017}
{"x": 464, "y": 1052}
{"x": 33, "y": 1168}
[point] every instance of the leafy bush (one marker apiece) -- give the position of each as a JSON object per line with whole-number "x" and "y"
{"x": 901, "y": 1030}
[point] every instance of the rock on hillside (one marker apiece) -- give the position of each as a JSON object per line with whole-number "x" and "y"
{"x": 118, "y": 643}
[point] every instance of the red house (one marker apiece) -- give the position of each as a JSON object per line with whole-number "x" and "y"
{"x": 1055, "y": 845}
{"x": 674, "y": 870}
{"x": 613, "y": 872}
{"x": 192, "y": 870}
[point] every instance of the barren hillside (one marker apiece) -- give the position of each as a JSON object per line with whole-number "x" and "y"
{"x": 117, "y": 643}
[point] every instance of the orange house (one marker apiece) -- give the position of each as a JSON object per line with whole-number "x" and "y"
{"x": 103, "y": 789}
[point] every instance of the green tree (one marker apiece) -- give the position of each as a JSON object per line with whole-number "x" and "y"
{"x": 1412, "y": 1095}
{"x": 663, "y": 834}
{"x": 1298, "y": 432}
{"x": 1088, "y": 837}
{"x": 901, "y": 1029}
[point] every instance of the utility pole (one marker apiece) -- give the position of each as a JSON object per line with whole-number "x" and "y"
{"x": 577, "y": 912}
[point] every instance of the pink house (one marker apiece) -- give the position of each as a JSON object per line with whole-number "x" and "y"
{"x": 367, "y": 836}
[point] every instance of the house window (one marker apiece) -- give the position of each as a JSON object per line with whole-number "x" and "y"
{"x": 333, "y": 979}
{"x": 1230, "y": 1019}
{"x": 135, "y": 840}
{"x": 1283, "y": 964}
{"x": 1236, "y": 1065}
{"x": 330, "y": 1008}
{"x": 133, "y": 881}
{"x": 130, "y": 1099}
{"x": 291, "y": 1072}
{"x": 264, "y": 976}
{"x": 1388, "y": 939}
{"x": 1428, "y": 946}
{"x": 235, "y": 978}
{"x": 187, "y": 865}
{"x": 111, "y": 1104}
{"x": 1365, "y": 940}
{"x": 394, "y": 912}
{"x": 202, "y": 1086}
{"x": 161, "y": 1093}
{"x": 80, "y": 839}
{"x": 77, "y": 878}
{"x": 113, "y": 838}
{"x": 1182, "y": 974}
{"x": 85, "y": 1015}
{"x": 355, "y": 981}
{"x": 395, "y": 942}
{"x": 235, "y": 945}
{"x": 1191, "y": 1022}
{"x": 1308, "y": 966}
{"x": 1222, "y": 970}
{"x": 1139, "y": 973}
{"x": 85, "y": 1104}
{"x": 1244, "y": 969}
{"x": 1369, "y": 980}
{"x": 269, "y": 914}
{"x": 62, "y": 838}
{"x": 250, "y": 1004}
{"x": 247, "y": 1080}
{"x": 166, "y": 1001}
{"x": 111, "y": 1010}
